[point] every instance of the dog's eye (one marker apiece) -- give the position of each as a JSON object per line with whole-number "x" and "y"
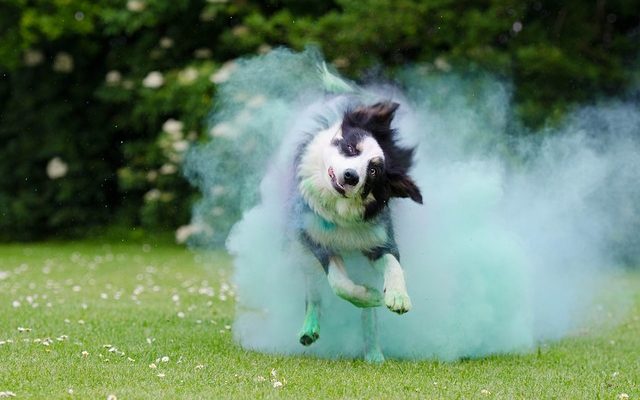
{"x": 351, "y": 149}
{"x": 372, "y": 171}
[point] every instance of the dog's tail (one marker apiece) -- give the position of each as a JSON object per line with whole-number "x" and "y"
{"x": 332, "y": 82}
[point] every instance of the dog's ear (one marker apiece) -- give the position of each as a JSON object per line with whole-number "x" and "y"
{"x": 382, "y": 113}
{"x": 403, "y": 186}
{"x": 375, "y": 118}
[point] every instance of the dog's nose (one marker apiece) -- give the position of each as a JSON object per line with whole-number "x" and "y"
{"x": 351, "y": 177}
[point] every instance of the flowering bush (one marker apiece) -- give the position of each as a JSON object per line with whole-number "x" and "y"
{"x": 99, "y": 100}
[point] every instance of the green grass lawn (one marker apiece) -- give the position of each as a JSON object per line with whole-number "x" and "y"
{"x": 130, "y": 321}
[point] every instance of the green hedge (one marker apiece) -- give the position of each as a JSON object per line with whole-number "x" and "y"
{"x": 100, "y": 100}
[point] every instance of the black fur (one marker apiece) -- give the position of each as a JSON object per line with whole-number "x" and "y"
{"x": 394, "y": 180}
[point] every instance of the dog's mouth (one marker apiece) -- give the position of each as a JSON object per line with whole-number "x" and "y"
{"x": 334, "y": 182}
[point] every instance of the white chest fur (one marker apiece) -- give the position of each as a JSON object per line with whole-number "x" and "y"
{"x": 357, "y": 236}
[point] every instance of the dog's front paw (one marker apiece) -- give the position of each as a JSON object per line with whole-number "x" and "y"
{"x": 397, "y": 301}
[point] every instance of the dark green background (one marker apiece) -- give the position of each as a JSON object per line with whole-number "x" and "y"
{"x": 556, "y": 53}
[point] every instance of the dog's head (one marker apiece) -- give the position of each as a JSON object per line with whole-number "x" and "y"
{"x": 364, "y": 161}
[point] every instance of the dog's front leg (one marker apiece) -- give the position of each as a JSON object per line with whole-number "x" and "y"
{"x": 396, "y": 297}
{"x": 344, "y": 287}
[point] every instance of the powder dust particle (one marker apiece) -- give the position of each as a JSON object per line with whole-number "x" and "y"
{"x": 507, "y": 251}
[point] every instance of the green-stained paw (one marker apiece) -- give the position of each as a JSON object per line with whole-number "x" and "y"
{"x": 311, "y": 328}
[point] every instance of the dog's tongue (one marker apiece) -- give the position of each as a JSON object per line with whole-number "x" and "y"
{"x": 332, "y": 175}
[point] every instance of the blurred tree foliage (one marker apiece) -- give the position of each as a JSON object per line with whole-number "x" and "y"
{"x": 99, "y": 101}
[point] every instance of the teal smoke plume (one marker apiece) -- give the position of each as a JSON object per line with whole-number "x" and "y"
{"x": 507, "y": 251}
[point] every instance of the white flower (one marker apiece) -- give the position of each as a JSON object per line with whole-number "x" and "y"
{"x": 33, "y": 57}
{"x": 56, "y": 168}
{"x": 173, "y": 128}
{"x": 240, "y": 30}
{"x": 623, "y": 396}
{"x": 188, "y": 75}
{"x": 222, "y": 129}
{"x": 207, "y": 15}
{"x": 3, "y": 275}
{"x": 113, "y": 77}
{"x": 152, "y": 195}
{"x": 202, "y": 52}
{"x": 485, "y": 392}
{"x": 152, "y": 175}
{"x": 168, "y": 169}
{"x": 136, "y": 5}
{"x": 63, "y": 62}
{"x": 264, "y": 48}
{"x": 184, "y": 232}
{"x": 181, "y": 146}
{"x": 442, "y": 64}
{"x": 7, "y": 394}
{"x": 153, "y": 80}
{"x": 153, "y": 366}
{"x": 166, "y": 42}
{"x": 224, "y": 73}
{"x": 517, "y": 26}
{"x": 85, "y": 353}
{"x": 165, "y": 359}
{"x": 277, "y": 384}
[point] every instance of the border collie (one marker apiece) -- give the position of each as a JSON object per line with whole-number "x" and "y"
{"x": 346, "y": 175}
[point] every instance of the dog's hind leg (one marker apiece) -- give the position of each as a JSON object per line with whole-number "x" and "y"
{"x": 310, "y": 331}
{"x": 341, "y": 284}
{"x": 344, "y": 287}
{"x": 372, "y": 352}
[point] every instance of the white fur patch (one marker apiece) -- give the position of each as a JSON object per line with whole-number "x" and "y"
{"x": 344, "y": 287}
{"x": 396, "y": 297}
{"x": 353, "y": 236}
{"x": 316, "y": 185}
{"x": 369, "y": 149}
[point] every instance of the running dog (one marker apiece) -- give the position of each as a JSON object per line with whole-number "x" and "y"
{"x": 346, "y": 175}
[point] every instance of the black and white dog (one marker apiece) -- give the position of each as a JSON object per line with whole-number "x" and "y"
{"x": 346, "y": 175}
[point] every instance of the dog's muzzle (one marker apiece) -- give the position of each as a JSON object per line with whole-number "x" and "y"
{"x": 334, "y": 182}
